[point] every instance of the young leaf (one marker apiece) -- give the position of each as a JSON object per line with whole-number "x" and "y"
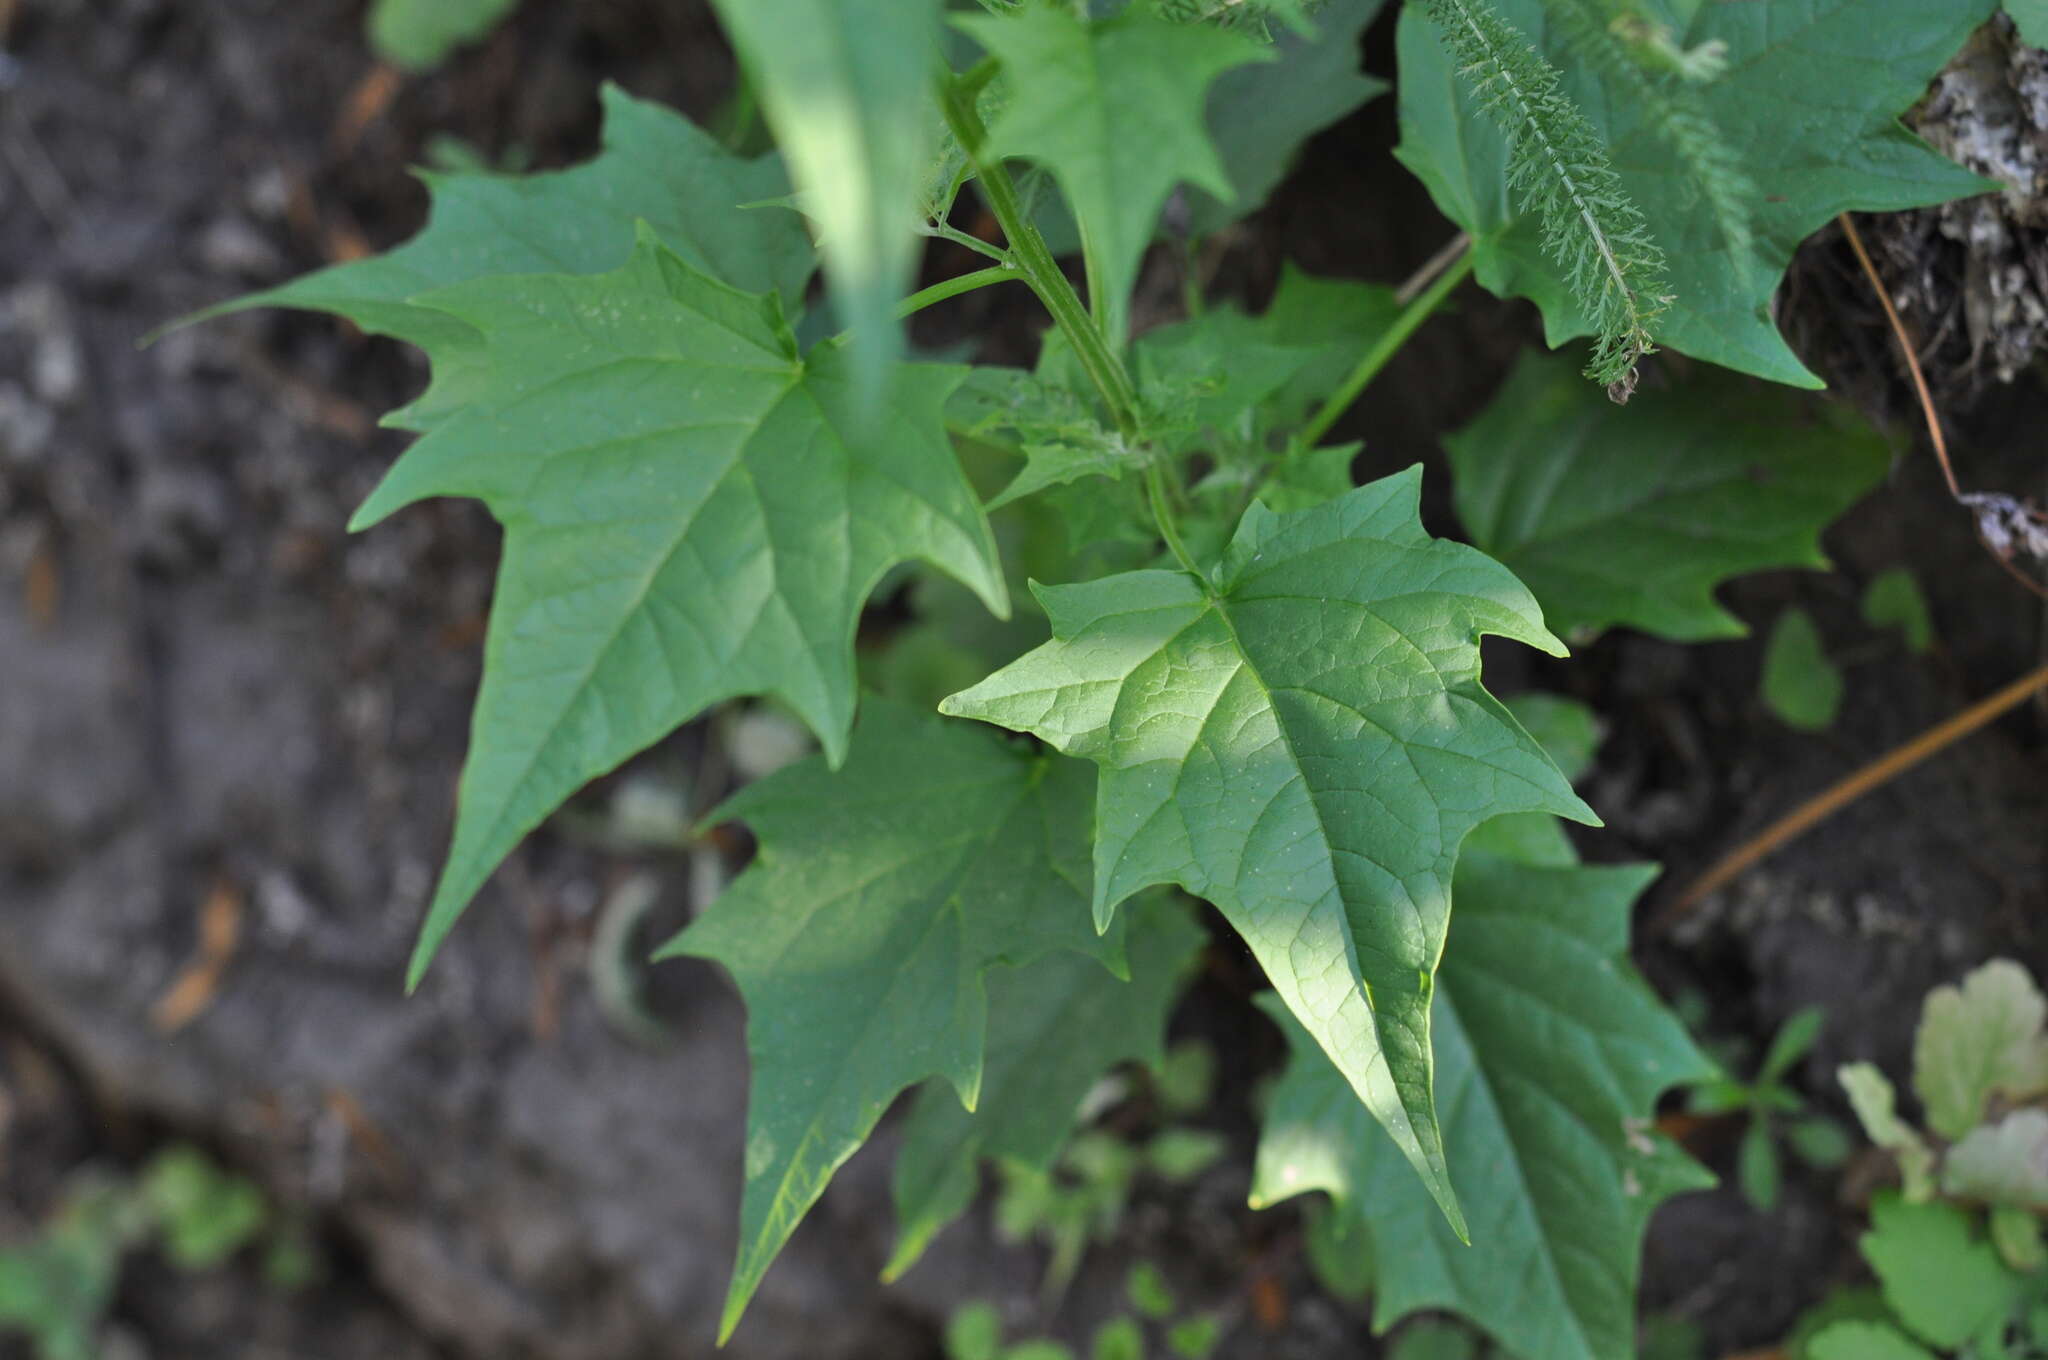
{"x": 1303, "y": 741}
{"x": 1875, "y": 1103}
{"x": 1114, "y": 110}
{"x": 1633, "y": 515}
{"x": 417, "y": 34}
{"x": 1893, "y": 600}
{"x": 1944, "y": 1281}
{"x": 1800, "y": 684}
{"x": 1055, "y": 1026}
{"x": 691, "y": 512}
{"x": 845, "y": 84}
{"x": 1551, "y": 1056}
{"x": 882, "y": 894}
{"x": 1809, "y": 99}
{"x": 1982, "y": 1039}
{"x": 656, "y": 167}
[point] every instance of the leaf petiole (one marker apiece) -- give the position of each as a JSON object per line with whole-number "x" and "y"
{"x": 1385, "y": 348}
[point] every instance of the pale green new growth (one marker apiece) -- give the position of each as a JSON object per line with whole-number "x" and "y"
{"x": 1977, "y": 1041}
{"x": 1876, "y": 1105}
{"x": 1558, "y": 165}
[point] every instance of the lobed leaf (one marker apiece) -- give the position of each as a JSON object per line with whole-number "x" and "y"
{"x": 692, "y": 512}
{"x": 1980, "y": 1040}
{"x": 1634, "y": 515}
{"x": 1055, "y": 1026}
{"x": 1114, "y": 110}
{"x": 883, "y": 892}
{"x": 1551, "y": 1056}
{"x": 1940, "y": 1276}
{"x": 1809, "y": 99}
{"x": 1303, "y": 741}
{"x": 656, "y": 167}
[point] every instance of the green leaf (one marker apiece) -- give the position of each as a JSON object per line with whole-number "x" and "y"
{"x": 2022, "y": 1241}
{"x": 1569, "y": 731}
{"x": 1149, "y": 1292}
{"x": 656, "y": 167}
{"x": 1194, "y": 1338}
{"x": 1055, "y": 1026}
{"x": 1302, "y": 740}
{"x": 846, "y": 86}
{"x": 1632, "y": 515}
{"x": 1551, "y": 1056}
{"x": 2031, "y": 17}
{"x": 1186, "y": 1081}
{"x": 1260, "y": 115}
{"x": 1061, "y": 433}
{"x": 1114, "y": 109}
{"x": 1793, "y": 1041}
{"x": 205, "y": 1213}
{"x": 1874, "y": 1101}
{"x": 1865, "y": 1341}
{"x": 1757, "y": 1169}
{"x": 2003, "y": 1163}
{"x": 691, "y": 513}
{"x": 1434, "y": 1339}
{"x": 1944, "y": 1281}
{"x": 1819, "y": 1141}
{"x": 1179, "y": 1155}
{"x": 882, "y": 893}
{"x": 1893, "y": 600}
{"x": 974, "y": 1332}
{"x": 1809, "y": 99}
{"x": 1800, "y": 684}
{"x": 417, "y": 34}
{"x": 1977, "y": 1041}
{"x": 1120, "y": 1338}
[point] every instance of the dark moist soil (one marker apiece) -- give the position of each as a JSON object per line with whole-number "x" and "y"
{"x": 215, "y": 705}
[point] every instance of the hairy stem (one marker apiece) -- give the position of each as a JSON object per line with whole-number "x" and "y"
{"x": 1386, "y": 347}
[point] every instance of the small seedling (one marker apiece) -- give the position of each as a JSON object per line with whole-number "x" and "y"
{"x": 1775, "y": 1110}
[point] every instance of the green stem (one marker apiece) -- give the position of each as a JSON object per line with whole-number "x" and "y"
{"x": 946, "y": 232}
{"x": 1383, "y": 349}
{"x": 1035, "y": 262}
{"x": 1162, "y": 514}
{"x": 954, "y": 287}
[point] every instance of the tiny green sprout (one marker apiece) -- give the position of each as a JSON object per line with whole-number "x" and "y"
{"x": 1775, "y": 1110}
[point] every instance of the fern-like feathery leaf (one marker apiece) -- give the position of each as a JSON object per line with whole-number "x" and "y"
{"x": 1644, "y": 62}
{"x": 1558, "y": 167}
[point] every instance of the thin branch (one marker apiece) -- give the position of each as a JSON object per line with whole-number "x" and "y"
{"x": 1826, "y": 804}
{"x": 1891, "y": 313}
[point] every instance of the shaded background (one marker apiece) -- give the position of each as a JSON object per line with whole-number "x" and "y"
{"x": 229, "y": 736}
